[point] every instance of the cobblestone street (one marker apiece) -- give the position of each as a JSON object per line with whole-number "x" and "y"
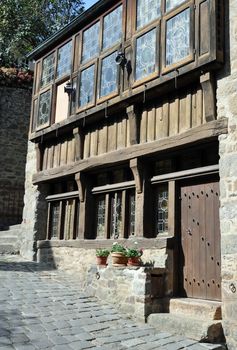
{"x": 45, "y": 309}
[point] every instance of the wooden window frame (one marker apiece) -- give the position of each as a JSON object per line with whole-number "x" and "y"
{"x": 107, "y": 191}
{"x": 57, "y": 80}
{"x": 176, "y": 11}
{"x": 53, "y": 106}
{"x": 62, "y": 198}
{"x": 112, "y": 94}
{"x": 93, "y": 102}
{"x": 47, "y": 88}
{"x": 155, "y": 74}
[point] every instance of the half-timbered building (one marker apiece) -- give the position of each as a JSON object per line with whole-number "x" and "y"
{"x": 126, "y": 130}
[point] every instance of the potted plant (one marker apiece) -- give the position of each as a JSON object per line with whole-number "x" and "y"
{"x": 134, "y": 256}
{"x": 101, "y": 256}
{"x": 118, "y": 253}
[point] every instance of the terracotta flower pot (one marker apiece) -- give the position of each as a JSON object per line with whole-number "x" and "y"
{"x": 119, "y": 259}
{"x": 134, "y": 261}
{"x": 101, "y": 260}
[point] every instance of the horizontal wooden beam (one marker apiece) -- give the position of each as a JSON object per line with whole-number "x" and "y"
{"x": 113, "y": 187}
{"x": 206, "y": 132}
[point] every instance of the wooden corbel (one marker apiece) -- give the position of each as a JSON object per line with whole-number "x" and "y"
{"x": 137, "y": 173}
{"x": 208, "y": 88}
{"x": 134, "y": 120}
{"x": 78, "y": 136}
{"x": 81, "y": 184}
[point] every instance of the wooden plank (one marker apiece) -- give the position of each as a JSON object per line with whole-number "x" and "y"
{"x": 45, "y": 158}
{"x": 63, "y": 153}
{"x": 94, "y": 143}
{"x": 103, "y": 140}
{"x": 174, "y": 117}
{"x": 204, "y": 21}
{"x": 208, "y": 87}
{"x": 112, "y": 137}
{"x": 127, "y": 133}
{"x": 70, "y": 151}
{"x": 185, "y": 113}
{"x": 162, "y": 121}
{"x": 79, "y": 143}
{"x": 202, "y": 254}
{"x": 133, "y": 119}
{"x": 208, "y": 131}
{"x": 194, "y": 121}
{"x": 200, "y": 108}
{"x": 50, "y": 157}
{"x": 143, "y": 129}
{"x": 56, "y": 155}
{"x": 121, "y": 133}
{"x": 151, "y": 129}
{"x": 87, "y": 145}
{"x": 217, "y": 240}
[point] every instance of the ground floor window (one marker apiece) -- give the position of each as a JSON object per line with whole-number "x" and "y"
{"x": 115, "y": 214}
{"x": 63, "y": 217}
{"x": 161, "y": 207}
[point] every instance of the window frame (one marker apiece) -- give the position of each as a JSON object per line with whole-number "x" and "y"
{"x": 93, "y": 102}
{"x": 42, "y": 91}
{"x": 174, "y": 12}
{"x": 139, "y": 33}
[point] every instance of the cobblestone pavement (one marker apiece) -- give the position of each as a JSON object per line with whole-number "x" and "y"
{"x": 45, "y": 309}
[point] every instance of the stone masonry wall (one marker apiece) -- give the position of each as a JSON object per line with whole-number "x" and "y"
{"x": 128, "y": 288}
{"x": 14, "y": 125}
{"x": 227, "y": 107}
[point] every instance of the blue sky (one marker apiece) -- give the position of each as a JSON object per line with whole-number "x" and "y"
{"x": 89, "y": 3}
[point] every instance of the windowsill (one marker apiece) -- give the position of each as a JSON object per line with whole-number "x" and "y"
{"x": 146, "y": 243}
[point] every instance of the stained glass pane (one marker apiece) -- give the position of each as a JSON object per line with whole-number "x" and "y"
{"x": 132, "y": 210}
{"x": 145, "y": 55}
{"x": 147, "y": 11}
{"x": 170, "y": 4}
{"x": 90, "y": 47}
{"x": 87, "y": 83}
{"x": 178, "y": 37}
{"x": 162, "y": 209}
{"x": 116, "y": 215}
{"x": 112, "y": 29}
{"x": 54, "y": 220}
{"x": 101, "y": 217}
{"x": 44, "y": 108}
{"x": 109, "y": 74}
{"x": 64, "y": 60}
{"x": 48, "y": 70}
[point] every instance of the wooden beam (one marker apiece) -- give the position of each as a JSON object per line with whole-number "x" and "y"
{"x": 38, "y": 149}
{"x": 208, "y": 87}
{"x": 78, "y": 136}
{"x": 81, "y": 184}
{"x": 134, "y": 123}
{"x": 206, "y": 132}
{"x": 137, "y": 173}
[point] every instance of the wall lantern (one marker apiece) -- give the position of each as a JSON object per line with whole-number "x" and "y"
{"x": 120, "y": 59}
{"x": 69, "y": 89}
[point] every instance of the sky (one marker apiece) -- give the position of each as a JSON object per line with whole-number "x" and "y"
{"x": 89, "y": 3}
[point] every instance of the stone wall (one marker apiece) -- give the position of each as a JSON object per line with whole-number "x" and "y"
{"x": 14, "y": 125}
{"x": 227, "y": 107}
{"x": 133, "y": 290}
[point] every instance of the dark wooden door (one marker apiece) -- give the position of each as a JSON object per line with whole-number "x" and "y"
{"x": 200, "y": 256}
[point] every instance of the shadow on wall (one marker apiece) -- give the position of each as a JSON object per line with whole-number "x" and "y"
{"x": 27, "y": 266}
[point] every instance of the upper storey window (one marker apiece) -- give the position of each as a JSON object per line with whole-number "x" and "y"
{"x": 112, "y": 28}
{"x": 64, "y": 60}
{"x": 48, "y": 70}
{"x": 170, "y": 4}
{"x": 147, "y": 11}
{"x": 91, "y": 42}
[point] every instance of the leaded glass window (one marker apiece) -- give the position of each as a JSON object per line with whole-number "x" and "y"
{"x": 116, "y": 215}
{"x": 178, "y": 37}
{"x": 147, "y": 11}
{"x": 109, "y": 75}
{"x": 87, "y": 82}
{"x": 44, "y": 108}
{"x": 132, "y": 211}
{"x": 64, "y": 60}
{"x": 112, "y": 29}
{"x": 48, "y": 70}
{"x": 90, "y": 47}
{"x": 170, "y": 4}
{"x": 162, "y": 209}
{"x": 145, "y": 55}
{"x": 101, "y": 216}
{"x": 54, "y": 220}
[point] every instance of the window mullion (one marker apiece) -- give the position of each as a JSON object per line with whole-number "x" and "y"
{"x": 107, "y": 216}
{"x": 60, "y": 221}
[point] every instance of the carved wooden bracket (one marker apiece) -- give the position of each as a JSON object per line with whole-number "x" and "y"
{"x": 208, "y": 88}
{"x": 81, "y": 184}
{"x": 134, "y": 120}
{"x": 78, "y": 136}
{"x": 137, "y": 173}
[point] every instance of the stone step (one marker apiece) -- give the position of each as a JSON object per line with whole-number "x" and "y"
{"x": 12, "y": 239}
{"x": 203, "y": 309}
{"x": 6, "y": 248}
{"x": 194, "y": 328}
